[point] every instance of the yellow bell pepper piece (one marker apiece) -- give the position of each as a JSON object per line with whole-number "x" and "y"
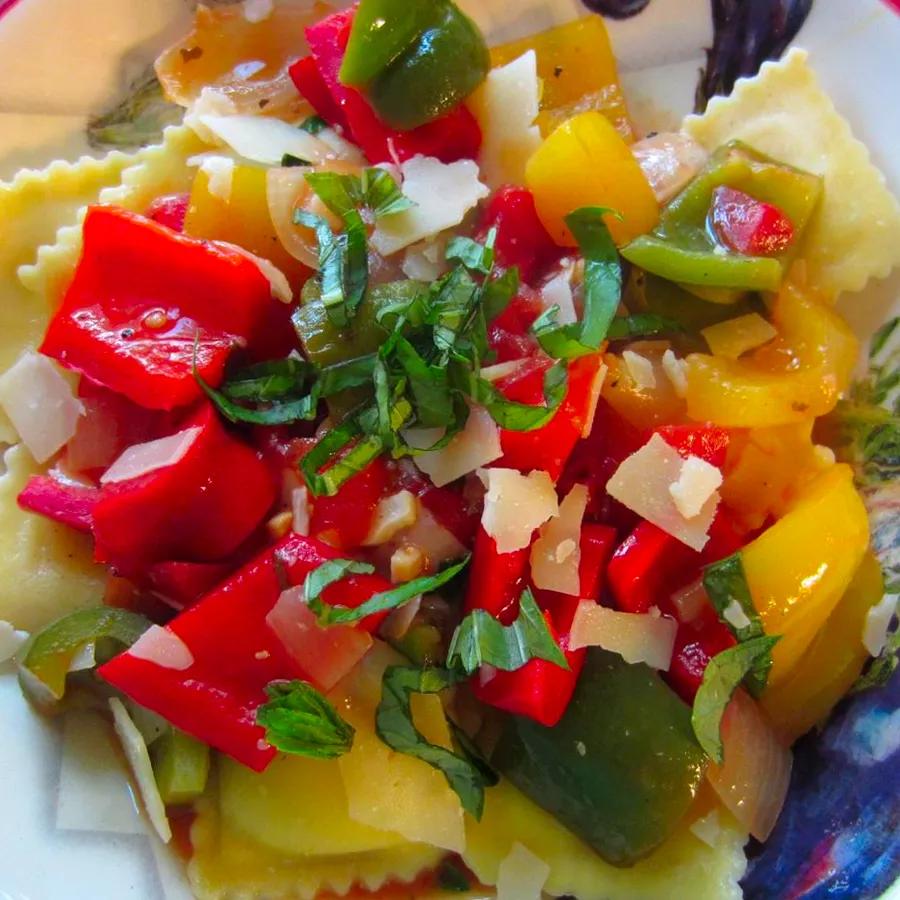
{"x": 799, "y": 568}
{"x": 576, "y": 64}
{"x": 243, "y": 219}
{"x": 643, "y": 407}
{"x": 798, "y": 376}
{"x": 585, "y": 162}
{"x": 735, "y": 337}
{"x": 833, "y": 661}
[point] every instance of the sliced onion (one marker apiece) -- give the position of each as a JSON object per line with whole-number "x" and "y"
{"x": 265, "y": 140}
{"x": 515, "y": 505}
{"x": 636, "y": 638}
{"x": 40, "y": 404}
{"x": 300, "y": 510}
{"x": 326, "y": 655}
{"x": 10, "y": 641}
{"x": 141, "y": 459}
{"x": 139, "y": 759}
{"x": 669, "y": 160}
{"x": 431, "y": 538}
{"x": 558, "y": 292}
{"x": 502, "y": 370}
{"x": 392, "y": 515}
{"x": 753, "y": 781}
{"x": 399, "y": 621}
{"x": 95, "y": 443}
{"x": 476, "y": 445}
{"x": 521, "y": 875}
{"x": 642, "y": 483}
{"x": 878, "y": 620}
{"x": 556, "y": 555}
{"x": 162, "y": 647}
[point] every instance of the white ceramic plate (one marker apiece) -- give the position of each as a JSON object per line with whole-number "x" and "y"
{"x": 69, "y": 826}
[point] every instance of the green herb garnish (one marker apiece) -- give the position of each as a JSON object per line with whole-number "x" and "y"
{"x": 313, "y": 124}
{"x": 289, "y": 161}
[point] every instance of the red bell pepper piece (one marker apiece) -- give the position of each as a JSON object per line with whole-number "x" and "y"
{"x": 453, "y": 136}
{"x": 449, "y": 507}
{"x": 170, "y": 210}
{"x": 522, "y": 240}
{"x": 696, "y": 643}
{"x": 496, "y": 579}
{"x": 59, "y": 499}
{"x": 508, "y": 335}
{"x": 200, "y": 508}
{"x": 709, "y": 442}
{"x": 141, "y": 296}
{"x": 548, "y": 448}
{"x": 344, "y": 520}
{"x": 235, "y": 653}
{"x": 181, "y": 584}
{"x": 747, "y": 225}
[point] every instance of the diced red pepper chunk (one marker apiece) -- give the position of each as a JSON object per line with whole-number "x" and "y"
{"x": 449, "y": 507}
{"x": 453, "y": 136}
{"x": 141, "y": 297}
{"x": 235, "y": 654}
{"x": 709, "y": 442}
{"x": 181, "y": 584}
{"x": 696, "y": 643}
{"x": 170, "y": 210}
{"x": 496, "y": 579}
{"x": 549, "y": 447}
{"x": 522, "y": 240}
{"x": 200, "y": 508}
{"x": 508, "y": 334}
{"x": 63, "y": 501}
{"x": 749, "y": 226}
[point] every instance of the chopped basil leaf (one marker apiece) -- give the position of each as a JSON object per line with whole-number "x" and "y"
{"x": 268, "y": 381}
{"x": 724, "y": 673}
{"x": 640, "y": 325}
{"x": 328, "y": 482}
{"x": 496, "y": 292}
{"x": 523, "y": 416}
{"x": 602, "y": 290}
{"x": 299, "y": 720}
{"x": 313, "y": 124}
{"x": 337, "y": 569}
{"x": 882, "y": 667}
{"x": 290, "y": 161}
{"x": 480, "y": 639}
{"x": 471, "y": 254}
{"x": 49, "y": 653}
{"x": 382, "y": 194}
{"x": 429, "y": 384}
{"x": 726, "y": 586}
{"x": 394, "y": 725}
{"x": 375, "y": 190}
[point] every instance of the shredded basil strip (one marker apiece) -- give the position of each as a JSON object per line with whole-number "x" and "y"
{"x": 338, "y": 569}
{"x": 641, "y": 325}
{"x": 50, "y": 652}
{"x": 381, "y": 194}
{"x": 722, "y": 677}
{"x": 375, "y": 190}
{"x": 497, "y": 291}
{"x": 313, "y": 124}
{"x": 480, "y": 639}
{"x": 471, "y": 254}
{"x": 602, "y": 289}
{"x": 288, "y": 161}
{"x": 327, "y": 483}
{"x": 394, "y": 725}
{"x": 299, "y": 720}
{"x": 725, "y": 583}
{"x": 268, "y": 381}
{"x": 523, "y": 416}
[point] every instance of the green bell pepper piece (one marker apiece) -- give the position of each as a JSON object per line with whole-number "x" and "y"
{"x": 180, "y": 766}
{"x": 382, "y": 31}
{"x": 43, "y": 671}
{"x": 682, "y": 247}
{"x": 435, "y": 74}
{"x": 620, "y": 769}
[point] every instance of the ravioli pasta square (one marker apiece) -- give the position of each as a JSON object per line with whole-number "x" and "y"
{"x": 783, "y": 112}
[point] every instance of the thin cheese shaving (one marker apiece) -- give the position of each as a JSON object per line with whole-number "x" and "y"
{"x": 636, "y": 638}
{"x": 555, "y": 555}
{"x": 515, "y": 505}
{"x": 697, "y": 482}
{"x": 640, "y": 369}
{"x": 522, "y": 875}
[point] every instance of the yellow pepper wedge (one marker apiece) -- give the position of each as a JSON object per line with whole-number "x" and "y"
{"x": 833, "y": 661}
{"x": 643, "y": 407}
{"x": 800, "y": 567}
{"x": 585, "y": 162}
{"x": 797, "y": 376}
{"x": 242, "y": 218}
{"x": 576, "y": 65}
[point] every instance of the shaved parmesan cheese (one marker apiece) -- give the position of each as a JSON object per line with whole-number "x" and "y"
{"x": 558, "y": 292}
{"x": 506, "y": 105}
{"x": 878, "y": 620}
{"x": 257, "y": 10}
{"x": 399, "y": 620}
{"x": 707, "y": 828}
{"x": 521, "y": 875}
{"x": 735, "y": 616}
{"x": 219, "y": 171}
{"x": 139, "y": 761}
{"x": 265, "y": 140}
{"x": 556, "y": 555}
{"x": 736, "y": 336}
{"x": 676, "y": 372}
{"x": 325, "y": 654}
{"x": 162, "y": 647}
{"x": 783, "y": 112}
{"x": 697, "y": 482}
{"x": 443, "y": 194}
{"x": 636, "y": 638}
{"x": 300, "y": 510}
{"x": 642, "y": 483}
{"x": 210, "y": 102}
{"x": 10, "y": 641}
{"x": 141, "y": 459}
{"x": 640, "y": 369}
{"x": 84, "y": 659}
{"x": 515, "y": 505}
{"x": 392, "y": 515}
{"x": 407, "y": 562}
{"x": 425, "y": 261}
{"x": 594, "y": 399}
{"x": 40, "y": 404}
{"x": 476, "y": 445}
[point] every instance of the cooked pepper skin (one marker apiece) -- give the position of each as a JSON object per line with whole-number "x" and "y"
{"x": 622, "y": 766}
